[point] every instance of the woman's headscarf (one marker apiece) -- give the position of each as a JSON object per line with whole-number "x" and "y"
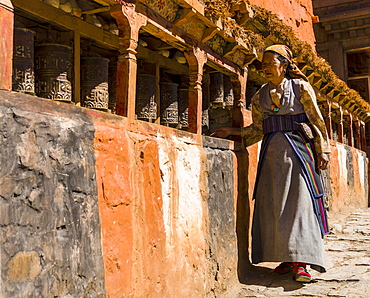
{"x": 293, "y": 71}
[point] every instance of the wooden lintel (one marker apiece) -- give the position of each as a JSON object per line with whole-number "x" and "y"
{"x": 172, "y": 65}
{"x": 98, "y": 10}
{"x": 221, "y": 65}
{"x": 165, "y": 35}
{"x": 103, "y": 2}
{"x": 209, "y": 33}
{"x": 188, "y": 14}
{"x": 58, "y": 17}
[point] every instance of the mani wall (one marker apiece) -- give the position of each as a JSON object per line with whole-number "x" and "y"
{"x": 93, "y": 206}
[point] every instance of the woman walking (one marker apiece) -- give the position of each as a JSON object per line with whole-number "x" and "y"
{"x": 289, "y": 219}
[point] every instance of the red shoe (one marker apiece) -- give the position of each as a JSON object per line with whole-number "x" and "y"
{"x": 300, "y": 273}
{"x": 284, "y": 267}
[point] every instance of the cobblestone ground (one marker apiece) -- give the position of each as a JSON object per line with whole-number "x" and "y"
{"x": 348, "y": 266}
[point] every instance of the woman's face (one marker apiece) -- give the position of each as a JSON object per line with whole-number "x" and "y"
{"x": 273, "y": 68}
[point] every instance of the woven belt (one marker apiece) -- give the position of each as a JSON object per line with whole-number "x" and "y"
{"x": 275, "y": 123}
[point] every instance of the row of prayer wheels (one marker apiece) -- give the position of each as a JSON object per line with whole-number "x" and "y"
{"x": 174, "y": 99}
{"x": 173, "y": 103}
{"x": 45, "y": 70}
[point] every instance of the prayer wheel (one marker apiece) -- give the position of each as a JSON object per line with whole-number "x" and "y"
{"x": 23, "y": 60}
{"x": 228, "y": 93}
{"x": 53, "y": 71}
{"x": 94, "y": 81}
{"x": 217, "y": 89}
{"x": 169, "y": 104}
{"x": 146, "y": 105}
{"x": 183, "y": 108}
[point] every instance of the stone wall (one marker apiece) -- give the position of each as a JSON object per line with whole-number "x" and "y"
{"x": 50, "y": 227}
{"x": 92, "y": 205}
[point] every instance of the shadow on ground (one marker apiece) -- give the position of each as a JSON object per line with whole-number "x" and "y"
{"x": 263, "y": 277}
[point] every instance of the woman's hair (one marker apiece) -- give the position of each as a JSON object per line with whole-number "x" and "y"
{"x": 282, "y": 59}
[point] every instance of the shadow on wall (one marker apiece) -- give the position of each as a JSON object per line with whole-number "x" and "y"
{"x": 244, "y": 213}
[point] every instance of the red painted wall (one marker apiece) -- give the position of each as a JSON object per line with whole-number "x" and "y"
{"x": 348, "y": 176}
{"x": 295, "y": 13}
{"x": 6, "y": 44}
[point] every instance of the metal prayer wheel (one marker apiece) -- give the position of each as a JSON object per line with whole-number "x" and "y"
{"x": 217, "y": 89}
{"x": 169, "y": 104}
{"x": 94, "y": 82}
{"x": 228, "y": 93}
{"x": 183, "y": 107}
{"x": 23, "y": 60}
{"x": 146, "y": 105}
{"x": 53, "y": 71}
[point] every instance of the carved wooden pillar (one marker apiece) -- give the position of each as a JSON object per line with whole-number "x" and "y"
{"x": 357, "y": 134}
{"x": 327, "y": 117}
{"x": 239, "y": 86}
{"x": 363, "y": 136}
{"x": 129, "y": 24}
{"x": 196, "y": 60}
{"x": 6, "y": 44}
{"x": 340, "y": 127}
{"x": 348, "y": 119}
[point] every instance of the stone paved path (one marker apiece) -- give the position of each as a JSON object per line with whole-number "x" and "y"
{"x": 348, "y": 266}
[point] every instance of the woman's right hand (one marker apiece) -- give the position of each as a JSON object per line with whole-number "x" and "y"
{"x": 224, "y": 132}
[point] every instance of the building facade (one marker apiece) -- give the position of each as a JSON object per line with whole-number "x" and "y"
{"x": 343, "y": 40}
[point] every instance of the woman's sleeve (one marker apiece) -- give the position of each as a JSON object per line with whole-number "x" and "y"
{"x": 254, "y": 133}
{"x": 308, "y": 100}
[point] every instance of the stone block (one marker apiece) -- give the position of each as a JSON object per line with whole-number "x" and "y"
{"x": 24, "y": 266}
{"x": 48, "y": 207}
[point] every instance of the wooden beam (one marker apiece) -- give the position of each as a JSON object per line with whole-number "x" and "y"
{"x": 188, "y": 13}
{"x": 60, "y": 18}
{"x": 209, "y": 33}
{"x": 103, "y": 2}
{"x": 169, "y": 64}
{"x": 98, "y": 10}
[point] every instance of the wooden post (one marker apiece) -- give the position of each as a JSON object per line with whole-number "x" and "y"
{"x": 340, "y": 127}
{"x": 363, "y": 136}
{"x": 129, "y": 24}
{"x": 348, "y": 119}
{"x": 158, "y": 94}
{"x": 6, "y": 44}
{"x": 77, "y": 66}
{"x": 196, "y": 60}
{"x": 239, "y": 88}
{"x": 327, "y": 117}
{"x": 357, "y": 134}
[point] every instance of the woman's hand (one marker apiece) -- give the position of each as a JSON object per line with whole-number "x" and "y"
{"x": 224, "y": 132}
{"x": 322, "y": 161}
